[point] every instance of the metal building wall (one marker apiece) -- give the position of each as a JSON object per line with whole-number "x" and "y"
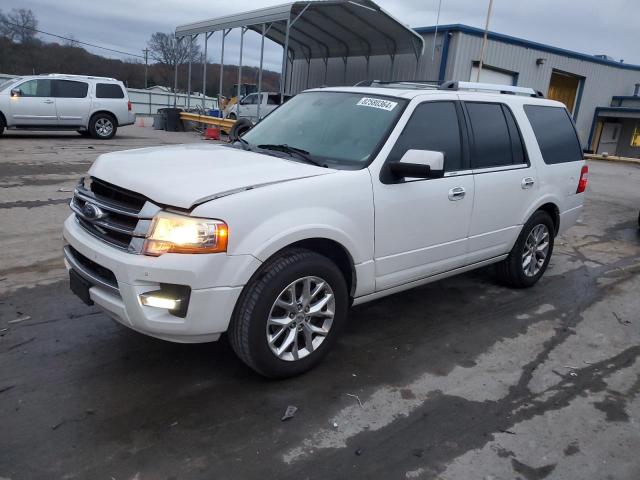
{"x": 601, "y": 81}
{"x": 600, "y": 84}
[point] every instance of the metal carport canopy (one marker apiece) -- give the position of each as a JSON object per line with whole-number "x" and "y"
{"x": 322, "y": 29}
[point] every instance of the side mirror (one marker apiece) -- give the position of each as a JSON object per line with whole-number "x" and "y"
{"x": 16, "y": 92}
{"x": 419, "y": 164}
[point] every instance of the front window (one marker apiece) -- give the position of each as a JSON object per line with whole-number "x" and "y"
{"x": 337, "y": 128}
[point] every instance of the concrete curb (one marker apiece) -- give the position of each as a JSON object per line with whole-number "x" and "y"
{"x": 611, "y": 158}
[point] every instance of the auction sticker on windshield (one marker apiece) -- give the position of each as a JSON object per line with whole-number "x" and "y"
{"x": 377, "y": 103}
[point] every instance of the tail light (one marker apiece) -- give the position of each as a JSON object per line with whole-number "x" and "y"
{"x": 129, "y": 105}
{"x": 584, "y": 178}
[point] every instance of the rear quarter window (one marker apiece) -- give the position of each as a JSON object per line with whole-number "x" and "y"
{"x": 555, "y": 133}
{"x": 109, "y": 90}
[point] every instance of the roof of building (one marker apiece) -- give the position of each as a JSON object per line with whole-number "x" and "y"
{"x": 322, "y": 29}
{"x": 457, "y": 27}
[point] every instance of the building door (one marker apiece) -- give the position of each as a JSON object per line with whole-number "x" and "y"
{"x": 564, "y": 87}
{"x": 609, "y": 138}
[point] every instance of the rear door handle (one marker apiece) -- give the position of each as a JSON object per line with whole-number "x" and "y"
{"x": 48, "y": 101}
{"x": 457, "y": 193}
{"x": 527, "y": 182}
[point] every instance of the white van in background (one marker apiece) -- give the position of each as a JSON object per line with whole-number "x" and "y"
{"x": 93, "y": 106}
{"x": 268, "y": 102}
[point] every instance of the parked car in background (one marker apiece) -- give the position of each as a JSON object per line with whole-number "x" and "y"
{"x": 339, "y": 197}
{"x": 268, "y": 102}
{"x": 93, "y": 106}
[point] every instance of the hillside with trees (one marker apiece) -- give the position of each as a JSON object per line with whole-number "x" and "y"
{"x": 22, "y": 52}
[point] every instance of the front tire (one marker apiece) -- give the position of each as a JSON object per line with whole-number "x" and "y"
{"x": 290, "y": 314}
{"x": 103, "y": 126}
{"x": 2, "y": 125}
{"x": 531, "y": 253}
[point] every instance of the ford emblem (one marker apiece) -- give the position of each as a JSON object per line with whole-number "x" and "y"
{"x": 92, "y": 212}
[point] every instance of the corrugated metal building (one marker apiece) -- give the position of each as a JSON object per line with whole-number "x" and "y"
{"x": 602, "y": 94}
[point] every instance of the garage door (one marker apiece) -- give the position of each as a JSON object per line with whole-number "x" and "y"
{"x": 490, "y": 75}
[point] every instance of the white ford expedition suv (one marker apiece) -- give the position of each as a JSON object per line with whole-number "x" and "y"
{"x": 339, "y": 197}
{"x": 93, "y": 106}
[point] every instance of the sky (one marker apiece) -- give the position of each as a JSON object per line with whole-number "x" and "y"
{"x": 587, "y": 26}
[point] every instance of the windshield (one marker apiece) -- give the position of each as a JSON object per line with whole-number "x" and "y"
{"x": 335, "y": 127}
{"x": 6, "y": 83}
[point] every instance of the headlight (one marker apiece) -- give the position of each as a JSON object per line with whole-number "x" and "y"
{"x": 171, "y": 233}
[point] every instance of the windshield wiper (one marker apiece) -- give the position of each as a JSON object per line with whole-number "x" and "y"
{"x": 244, "y": 143}
{"x": 303, "y": 154}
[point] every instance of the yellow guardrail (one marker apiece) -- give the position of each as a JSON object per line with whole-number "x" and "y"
{"x": 207, "y": 120}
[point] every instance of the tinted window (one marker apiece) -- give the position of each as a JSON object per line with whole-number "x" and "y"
{"x": 555, "y": 133}
{"x": 109, "y": 90}
{"x": 36, "y": 88}
{"x": 432, "y": 126}
{"x": 490, "y": 133}
{"x": 70, "y": 89}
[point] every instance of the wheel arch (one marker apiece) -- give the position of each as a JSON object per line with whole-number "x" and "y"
{"x": 327, "y": 247}
{"x": 111, "y": 114}
{"x": 3, "y": 118}
{"x": 549, "y": 204}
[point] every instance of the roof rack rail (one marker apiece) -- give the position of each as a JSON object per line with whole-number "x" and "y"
{"x": 426, "y": 84}
{"x": 491, "y": 87}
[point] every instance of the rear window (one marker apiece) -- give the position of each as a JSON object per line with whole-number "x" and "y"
{"x": 109, "y": 90}
{"x": 556, "y": 135}
{"x": 70, "y": 89}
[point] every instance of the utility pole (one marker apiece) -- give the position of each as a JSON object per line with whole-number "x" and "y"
{"x": 484, "y": 40}
{"x": 146, "y": 65}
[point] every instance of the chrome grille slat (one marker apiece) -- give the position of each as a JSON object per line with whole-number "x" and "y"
{"x": 107, "y": 217}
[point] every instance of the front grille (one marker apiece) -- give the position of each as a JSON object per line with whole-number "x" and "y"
{"x": 95, "y": 269}
{"x": 112, "y": 214}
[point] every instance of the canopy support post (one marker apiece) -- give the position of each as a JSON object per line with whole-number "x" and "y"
{"x": 175, "y": 79}
{"x": 189, "y": 72}
{"x": 308, "y": 70}
{"x": 204, "y": 71}
{"x": 283, "y": 75}
{"x": 393, "y": 64}
{"x": 368, "y": 69}
{"x": 344, "y": 75}
{"x": 224, "y": 35}
{"x": 264, "y": 31}
{"x": 242, "y": 31}
{"x": 326, "y": 68}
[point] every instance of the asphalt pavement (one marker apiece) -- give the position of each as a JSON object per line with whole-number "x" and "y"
{"x": 460, "y": 379}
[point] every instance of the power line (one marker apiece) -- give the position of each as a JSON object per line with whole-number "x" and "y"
{"x": 73, "y": 40}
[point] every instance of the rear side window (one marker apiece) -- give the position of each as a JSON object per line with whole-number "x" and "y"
{"x": 495, "y": 137}
{"x": 556, "y": 135}
{"x": 109, "y": 90}
{"x": 70, "y": 89}
{"x": 432, "y": 126}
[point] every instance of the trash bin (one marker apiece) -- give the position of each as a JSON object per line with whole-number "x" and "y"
{"x": 159, "y": 121}
{"x": 173, "y": 120}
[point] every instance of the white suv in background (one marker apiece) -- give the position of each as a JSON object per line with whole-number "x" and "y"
{"x": 339, "y": 197}
{"x": 93, "y": 106}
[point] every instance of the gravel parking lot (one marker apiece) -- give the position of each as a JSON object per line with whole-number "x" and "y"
{"x": 460, "y": 379}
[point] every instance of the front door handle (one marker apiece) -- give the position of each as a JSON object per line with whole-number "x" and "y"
{"x": 48, "y": 102}
{"x": 457, "y": 193}
{"x": 527, "y": 182}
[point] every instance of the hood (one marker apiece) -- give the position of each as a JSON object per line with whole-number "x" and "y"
{"x": 185, "y": 175}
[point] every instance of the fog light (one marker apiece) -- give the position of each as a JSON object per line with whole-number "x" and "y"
{"x": 159, "y": 299}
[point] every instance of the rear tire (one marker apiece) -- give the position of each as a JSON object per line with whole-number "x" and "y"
{"x": 103, "y": 126}
{"x": 275, "y": 320}
{"x": 531, "y": 253}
